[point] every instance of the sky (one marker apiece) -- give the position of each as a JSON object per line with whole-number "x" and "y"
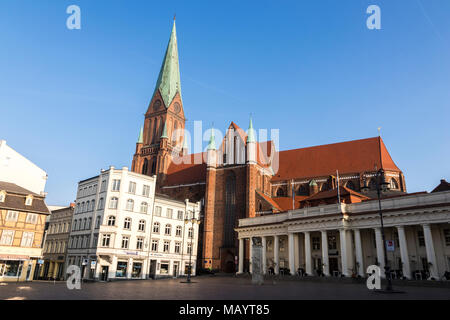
{"x": 73, "y": 101}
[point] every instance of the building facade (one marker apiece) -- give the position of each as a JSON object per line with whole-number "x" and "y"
{"x": 56, "y": 241}
{"x": 113, "y": 226}
{"x": 22, "y": 222}
{"x": 343, "y": 240}
{"x": 248, "y": 177}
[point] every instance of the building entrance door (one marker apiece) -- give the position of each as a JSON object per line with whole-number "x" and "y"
{"x": 30, "y": 266}
{"x": 175, "y": 269}
{"x": 152, "y": 272}
{"x": 104, "y": 275}
{"x": 333, "y": 265}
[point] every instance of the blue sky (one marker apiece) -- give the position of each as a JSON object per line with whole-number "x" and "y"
{"x": 72, "y": 101}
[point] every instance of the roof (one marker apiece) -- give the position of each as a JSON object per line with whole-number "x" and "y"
{"x": 347, "y": 157}
{"x": 285, "y": 203}
{"x": 192, "y": 169}
{"x": 15, "y": 199}
{"x": 169, "y": 83}
{"x": 269, "y": 200}
{"x": 443, "y": 186}
{"x": 333, "y": 194}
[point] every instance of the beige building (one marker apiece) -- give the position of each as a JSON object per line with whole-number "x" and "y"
{"x": 56, "y": 240}
{"x": 22, "y": 222}
{"x": 344, "y": 239}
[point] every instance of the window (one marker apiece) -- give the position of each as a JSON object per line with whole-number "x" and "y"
{"x": 116, "y": 185}
{"x": 447, "y": 237}
{"x": 178, "y": 231}
{"x": 84, "y": 224}
{"x": 130, "y": 205}
{"x": 180, "y": 215}
{"x": 29, "y": 201}
{"x": 32, "y": 218}
{"x": 393, "y": 184}
{"x": 154, "y": 245}
{"x": 168, "y": 230}
{"x": 166, "y": 246}
{"x": 12, "y": 216}
{"x": 127, "y": 224}
{"x": 121, "y": 270}
{"x": 103, "y": 186}
{"x": 113, "y": 203}
{"x": 156, "y": 227}
{"x": 189, "y": 248}
{"x": 11, "y": 268}
{"x": 125, "y": 240}
{"x": 139, "y": 243}
{"x": 316, "y": 243}
{"x": 146, "y": 191}
{"x": 141, "y": 225}
{"x": 97, "y": 222}
{"x": 7, "y": 237}
{"x": 92, "y": 205}
{"x": 95, "y": 241}
{"x": 105, "y": 240}
{"x": 132, "y": 187}
{"x": 111, "y": 221}
{"x": 177, "y": 247}
{"x": 421, "y": 238}
{"x": 169, "y": 213}
{"x": 191, "y": 233}
{"x": 2, "y": 196}
{"x": 87, "y": 206}
{"x": 332, "y": 243}
{"x": 144, "y": 207}
{"x": 100, "y": 204}
{"x": 89, "y": 223}
{"x": 158, "y": 211}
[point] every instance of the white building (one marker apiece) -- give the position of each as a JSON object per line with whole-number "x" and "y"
{"x": 17, "y": 169}
{"x": 345, "y": 240}
{"x": 112, "y": 226}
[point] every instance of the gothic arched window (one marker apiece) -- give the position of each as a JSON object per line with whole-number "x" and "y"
{"x": 145, "y": 167}
{"x": 393, "y": 184}
{"x": 280, "y": 192}
{"x": 230, "y": 210}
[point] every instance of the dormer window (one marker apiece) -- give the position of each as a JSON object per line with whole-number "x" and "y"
{"x": 2, "y": 196}
{"x": 29, "y": 201}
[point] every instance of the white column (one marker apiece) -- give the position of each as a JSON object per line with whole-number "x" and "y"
{"x": 344, "y": 257}
{"x": 241, "y": 255}
{"x": 276, "y": 253}
{"x": 291, "y": 253}
{"x": 380, "y": 251}
{"x": 406, "y": 269}
{"x": 129, "y": 268}
{"x": 264, "y": 254}
{"x": 308, "y": 261}
{"x": 325, "y": 260}
{"x": 359, "y": 253}
{"x": 431, "y": 255}
{"x": 250, "y": 266}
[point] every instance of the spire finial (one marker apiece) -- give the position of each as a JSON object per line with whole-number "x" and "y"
{"x": 174, "y": 17}
{"x": 379, "y": 131}
{"x": 251, "y": 133}
{"x": 212, "y": 140}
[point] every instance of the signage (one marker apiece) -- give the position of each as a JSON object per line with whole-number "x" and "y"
{"x": 390, "y": 245}
{"x": 40, "y": 261}
{"x": 93, "y": 264}
{"x": 85, "y": 262}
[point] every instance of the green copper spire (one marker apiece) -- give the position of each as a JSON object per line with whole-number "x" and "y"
{"x": 164, "y": 133}
{"x": 141, "y": 136}
{"x": 169, "y": 82}
{"x": 251, "y": 132}
{"x": 212, "y": 141}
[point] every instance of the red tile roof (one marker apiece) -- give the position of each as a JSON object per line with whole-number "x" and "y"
{"x": 285, "y": 203}
{"x": 347, "y": 157}
{"x": 192, "y": 169}
{"x": 270, "y": 201}
{"x": 333, "y": 194}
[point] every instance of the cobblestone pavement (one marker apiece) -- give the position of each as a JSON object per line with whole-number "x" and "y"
{"x": 210, "y": 288}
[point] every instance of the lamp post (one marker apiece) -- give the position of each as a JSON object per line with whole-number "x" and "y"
{"x": 382, "y": 185}
{"x": 193, "y": 221}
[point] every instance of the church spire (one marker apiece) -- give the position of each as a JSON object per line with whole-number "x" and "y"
{"x": 169, "y": 83}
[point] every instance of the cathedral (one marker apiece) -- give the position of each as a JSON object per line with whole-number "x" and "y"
{"x": 241, "y": 177}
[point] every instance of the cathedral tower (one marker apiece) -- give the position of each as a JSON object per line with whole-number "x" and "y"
{"x": 164, "y": 124}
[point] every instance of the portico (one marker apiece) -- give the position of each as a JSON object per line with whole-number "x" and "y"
{"x": 343, "y": 240}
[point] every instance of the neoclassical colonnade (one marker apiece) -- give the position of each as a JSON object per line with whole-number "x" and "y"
{"x": 418, "y": 225}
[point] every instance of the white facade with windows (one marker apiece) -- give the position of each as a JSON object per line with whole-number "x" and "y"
{"x": 344, "y": 240}
{"x": 111, "y": 235}
{"x": 174, "y": 237}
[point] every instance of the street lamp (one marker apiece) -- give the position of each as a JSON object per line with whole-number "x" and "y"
{"x": 192, "y": 221}
{"x": 382, "y": 185}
